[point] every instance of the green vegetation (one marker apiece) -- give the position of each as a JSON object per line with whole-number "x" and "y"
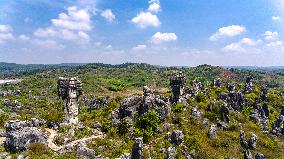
{"x": 39, "y": 99}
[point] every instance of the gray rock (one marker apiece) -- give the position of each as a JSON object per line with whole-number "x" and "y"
{"x": 22, "y": 157}
{"x": 196, "y": 114}
{"x": 177, "y": 137}
{"x": 247, "y": 155}
{"x": 259, "y": 156}
{"x": 137, "y": 149}
{"x": 205, "y": 123}
{"x": 243, "y": 141}
{"x": 85, "y": 152}
{"x": 21, "y": 133}
{"x": 69, "y": 90}
{"x": 252, "y": 142}
{"x": 222, "y": 125}
{"x": 278, "y": 126}
{"x": 177, "y": 83}
{"x": 171, "y": 153}
{"x": 125, "y": 156}
{"x": 5, "y": 155}
{"x": 3, "y": 133}
{"x": 212, "y": 133}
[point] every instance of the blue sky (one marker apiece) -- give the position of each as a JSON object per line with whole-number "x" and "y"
{"x": 161, "y": 32}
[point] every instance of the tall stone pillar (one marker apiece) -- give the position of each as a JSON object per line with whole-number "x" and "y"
{"x": 177, "y": 83}
{"x": 69, "y": 90}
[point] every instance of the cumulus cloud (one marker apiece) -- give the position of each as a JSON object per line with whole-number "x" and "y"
{"x": 72, "y": 26}
{"x": 5, "y": 28}
{"x": 50, "y": 44}
{"x": 154, "y": 6}
{"x": 241, "y": 46}
{"x": 275, "y": 44}
{"x": 5, "y": 33}
{"x": 108, "y": 15}
{"x": 276, "y": 18}
{"x": 229, "y": 31}
{"x": 146, "y": 19}
{"x": 24, "y": 38}
{"x": 269, "y": 35}
{"x": 159, "y": 37}
{"x": 139, "y": 48}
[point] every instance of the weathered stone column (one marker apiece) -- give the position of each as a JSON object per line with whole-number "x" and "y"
{"x": 69, "y": 90}
{"x": 177, "y": 83}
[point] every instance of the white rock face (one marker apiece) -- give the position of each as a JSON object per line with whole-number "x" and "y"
{"x": 69, "y": 89}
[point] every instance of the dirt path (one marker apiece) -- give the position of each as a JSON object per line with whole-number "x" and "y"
{"x": 54, "y": 147}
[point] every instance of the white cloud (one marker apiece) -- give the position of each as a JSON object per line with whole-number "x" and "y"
{"x": 139, "y": 48}
{"x": 154, "y": 6}
{"x": 241, "y": 46}
{"x": 163, "y": 37}
{"x": 229, "y": 31}
{"x": 146, "y": 19}
{"x": 276, "y": 18}
{"x": 71, "y": 26}
{"x": 268, "y": 35}
{"x": 24, "y": 38}
{"x": 5, "y": 33}
{"x": 76, "y": 19}
{"x": 275, "y": 44}
{"x": 108, "y": 15}
{"x": 234, "y": 47}
{"x": 50, "y": 44}
{"x": 249, "y": 42}
{"x": 5, "y": 28}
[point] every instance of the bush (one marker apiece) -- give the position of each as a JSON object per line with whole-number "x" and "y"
{"x": 106, "y": 125}
{"x": 147, "y": 125}
{"x": 200, "y": 97}
{"x": 38, "y": 149}
{"x": 178, "y": 108}
{"x": 123, "y": 127}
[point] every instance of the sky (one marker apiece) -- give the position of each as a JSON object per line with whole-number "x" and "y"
{"x": 158, "y": 32}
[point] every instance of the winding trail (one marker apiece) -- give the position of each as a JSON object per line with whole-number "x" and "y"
{"x": 54, "y": 147}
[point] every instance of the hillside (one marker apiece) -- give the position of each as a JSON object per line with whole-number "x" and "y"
{"x": 105, "y": 88}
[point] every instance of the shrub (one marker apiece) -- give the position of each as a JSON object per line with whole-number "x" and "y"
{"x": 147, "y": 124}
{"x": 178, "y": 108}
{"x": 106, "y": 125}
{"x": 200, "y": 97}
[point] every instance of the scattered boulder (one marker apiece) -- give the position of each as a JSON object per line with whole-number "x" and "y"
{"x": 177, "y": 137}
{"x": 125, "y": 156}
{"x": 259, "y": 156}
{"x": 171, "y": 153}
{"x": 212, "y": 133}
{"x": 85, "y": 152}
{"x": 278, "y": 126}
{"x": 196, "y": 114}
{"x": 247, "y": 155}
{"x": 137, "y": 149}
{"x": 252, "y": 142}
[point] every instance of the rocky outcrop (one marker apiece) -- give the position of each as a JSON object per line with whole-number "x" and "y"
{"x": 22, "y": 133}
{"x": 141, "y": 105}
{"x": 212, "y": 133}
{"x": 137, "y": 149}
{"x": 177, "y": 137}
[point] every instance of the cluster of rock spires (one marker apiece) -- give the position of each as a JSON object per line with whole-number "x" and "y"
{"x": 141, "y": 105}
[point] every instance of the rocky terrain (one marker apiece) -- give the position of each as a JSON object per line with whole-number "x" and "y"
{"x": 142, "y": 111}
